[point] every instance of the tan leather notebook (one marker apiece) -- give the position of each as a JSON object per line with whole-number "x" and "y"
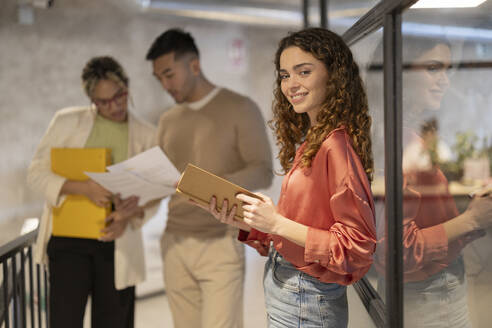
{"x": 200, "y": 185}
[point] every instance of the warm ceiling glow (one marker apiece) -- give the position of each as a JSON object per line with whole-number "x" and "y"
{"x": 447, "y": 3}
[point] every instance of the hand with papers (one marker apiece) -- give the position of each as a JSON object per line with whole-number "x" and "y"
{"x": 96, "y": 193}
{"x": 125, "y": 209}
{"x": 149, "y": 175}
{"x": 88, "y": 188}
{"x": 114, "y": 230}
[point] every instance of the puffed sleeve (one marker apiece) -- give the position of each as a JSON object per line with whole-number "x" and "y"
{"x": 349, "y": 244}
{"x": 420, "y": 245}
{"x": 347, "y": 247}
{"x": 424, "y": 238}
{"x": 256, "y": 239}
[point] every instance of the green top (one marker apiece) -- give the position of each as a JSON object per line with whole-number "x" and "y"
{"x": 109, "y": 134}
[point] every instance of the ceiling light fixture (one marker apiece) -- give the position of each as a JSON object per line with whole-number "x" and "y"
{"x": 448, "y": 3}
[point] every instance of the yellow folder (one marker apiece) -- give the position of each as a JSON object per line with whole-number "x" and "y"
{"x": 78, "y": 216}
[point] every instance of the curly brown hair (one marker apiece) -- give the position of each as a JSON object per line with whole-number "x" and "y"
{"x": 345, "y": 103}
{"x": 102, "y": 68}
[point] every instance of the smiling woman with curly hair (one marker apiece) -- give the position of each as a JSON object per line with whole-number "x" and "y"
{"x": 345, "y": 102}
{"x": 321, "y": 236}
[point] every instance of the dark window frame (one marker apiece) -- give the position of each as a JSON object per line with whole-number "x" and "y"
{"x": 387, "y": 14}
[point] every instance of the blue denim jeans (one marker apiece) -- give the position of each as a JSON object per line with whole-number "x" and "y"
{"x": 294, "y": 299}
{"x": 439, "y": 301}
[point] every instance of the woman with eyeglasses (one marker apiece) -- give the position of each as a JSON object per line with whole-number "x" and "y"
{"x": 109, "y": 268}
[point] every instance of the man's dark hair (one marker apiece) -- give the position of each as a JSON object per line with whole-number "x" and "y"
{"x": 173, "y": 40}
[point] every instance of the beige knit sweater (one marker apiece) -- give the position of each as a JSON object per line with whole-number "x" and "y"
{"x": 227, "y": 137}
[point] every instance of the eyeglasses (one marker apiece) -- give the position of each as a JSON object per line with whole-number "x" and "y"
{"x": 432, "y": 67}
{"x": 118, "y": 98}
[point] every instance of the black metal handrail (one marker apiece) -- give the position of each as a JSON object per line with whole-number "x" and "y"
{"x": 372, "y": 301}
{"x": 19, "y": 287}
{"x": 374, "y": 19}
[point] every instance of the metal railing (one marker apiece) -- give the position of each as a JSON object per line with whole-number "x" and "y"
{"x": 23, "y": 292}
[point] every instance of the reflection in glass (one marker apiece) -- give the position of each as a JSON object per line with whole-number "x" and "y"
{"x": 434, "y": 232}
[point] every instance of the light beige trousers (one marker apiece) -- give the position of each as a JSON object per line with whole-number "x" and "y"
{"x": 204, "y": 280}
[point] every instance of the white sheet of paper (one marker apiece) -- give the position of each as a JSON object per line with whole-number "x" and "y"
{"x": 127, "y": 184}
{"x": 148, "y": 175}
{"x": 151, "y": 165}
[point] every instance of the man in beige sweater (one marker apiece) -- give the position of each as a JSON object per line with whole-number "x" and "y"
{"x": 224, "y": 133}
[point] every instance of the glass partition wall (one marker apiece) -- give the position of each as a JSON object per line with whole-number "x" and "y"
{"x": 446, "y": 157}
{"x": 427, "y": 73}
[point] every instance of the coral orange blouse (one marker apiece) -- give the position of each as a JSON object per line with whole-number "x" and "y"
{"x": 333, "y": 198}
